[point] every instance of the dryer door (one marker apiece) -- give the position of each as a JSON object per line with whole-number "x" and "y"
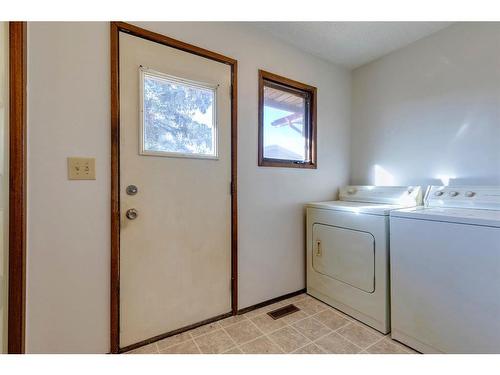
{"x": 346, "y": 255}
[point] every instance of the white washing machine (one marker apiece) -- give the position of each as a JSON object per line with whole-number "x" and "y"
{"x": 445, "y": 272}
{"x": 348, "y": 250}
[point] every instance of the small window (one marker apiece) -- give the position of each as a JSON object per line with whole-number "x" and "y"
{"x": 287, "y": 122}
{"x": 178, "y": 117}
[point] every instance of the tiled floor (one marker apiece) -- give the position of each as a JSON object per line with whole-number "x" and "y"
{"x": 316, "y": 329}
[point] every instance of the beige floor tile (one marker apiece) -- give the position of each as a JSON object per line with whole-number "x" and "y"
{"x": 331, "y": 319}
{"x": 243, "y": 332}
{"x": 362, "y": 336}
{"x": 342, "y": 314}
{"x": 205, "y": 329}
{"x": 232, "y": 320}
{"x": 277, "y": 305}
{"x": 187, "y": 347}
{"x": 292, "y": 318}
{"x": 288, "y": 339}
{"x": 266, "y": 309}
{"x": 257, "y": 312}
{"x": 309, "y": 349}
{"x": 401, "y": 345}
{"x": 311, "y": 306}
{"x": 234, "y": 351}
{"x": 312, "y": 298}
{"x": 410, "y": 350}
{"x": 267, "y": 324}
{"x": 387, "y": 346}
{"x": 173, "y": 340}
{"x": 336, "y": 344}
{"x": 311, "y": 328}
{"x": 262, "y": 345}
{"x": 297, "y": 298}
{"x": 146, "y": 349}
{"x": 214, "y": 342}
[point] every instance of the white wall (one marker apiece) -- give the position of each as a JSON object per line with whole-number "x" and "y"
{"x": 430, "y": 111}
{"x": 68, "y": 221}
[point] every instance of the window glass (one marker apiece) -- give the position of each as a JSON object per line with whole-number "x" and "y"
{"x": 284, "y": 123}
{"x": 178, "y": 117}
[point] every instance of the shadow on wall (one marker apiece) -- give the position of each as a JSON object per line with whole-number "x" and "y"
{"x": 479, "y": 181}
{"x": 383, "y": 177}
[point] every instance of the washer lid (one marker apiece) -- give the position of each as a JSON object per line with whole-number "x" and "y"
{"x": 358, "y": 207}
{"x": 451, "y": 215}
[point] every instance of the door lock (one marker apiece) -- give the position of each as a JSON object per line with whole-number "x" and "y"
{"x": 132, "y": 190}
{"x": 132, "y": 214}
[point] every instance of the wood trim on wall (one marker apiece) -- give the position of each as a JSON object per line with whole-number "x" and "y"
{"x": 115, "y": 193}
{"x": 293, "y": 86}
{"x": 17, "y": 187}
{"x": 115, "y": 29}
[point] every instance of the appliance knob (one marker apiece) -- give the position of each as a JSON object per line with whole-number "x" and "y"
{"x": 351, "y": 191}
{"x": 438, "y": 193}
{"x": 453, "y": 193}
{"x": 470, "y": 194}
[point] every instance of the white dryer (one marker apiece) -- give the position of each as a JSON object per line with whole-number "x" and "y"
{"x": 445, "y": 272}
{"x": 348, "y": 250}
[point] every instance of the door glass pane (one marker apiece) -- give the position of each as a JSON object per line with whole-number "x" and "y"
{"x": 284, "y": 125}
{"x": 178, "y": 117}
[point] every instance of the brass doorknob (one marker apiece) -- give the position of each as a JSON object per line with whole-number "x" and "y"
{"x": 132, "y": 214}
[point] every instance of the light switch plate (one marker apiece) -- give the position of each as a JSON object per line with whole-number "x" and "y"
{"x": 81, "y": 168}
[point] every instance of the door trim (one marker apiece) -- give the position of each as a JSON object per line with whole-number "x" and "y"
{"x": 115, "y": 29}
{"x": 17, "y": 187}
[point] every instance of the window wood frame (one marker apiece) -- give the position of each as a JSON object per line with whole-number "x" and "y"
{"x": 294, "y": 87}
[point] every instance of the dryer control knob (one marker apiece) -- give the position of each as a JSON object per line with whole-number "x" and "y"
{"x": 453, "y": 193}
{"x": 470, "y": 194}
{"x": 438, "y": 193}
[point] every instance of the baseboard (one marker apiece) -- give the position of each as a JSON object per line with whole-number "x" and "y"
{"x": 270, "y": 301}
{"x": 173, "y": 333}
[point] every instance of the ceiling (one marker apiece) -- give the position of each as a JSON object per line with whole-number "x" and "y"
{"x": 350, "y": 44}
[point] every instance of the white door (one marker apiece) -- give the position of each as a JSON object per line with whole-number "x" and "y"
{"x": 175, "y": 174}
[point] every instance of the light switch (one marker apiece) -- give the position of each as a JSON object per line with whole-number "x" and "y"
{"x": 81, "y": 168}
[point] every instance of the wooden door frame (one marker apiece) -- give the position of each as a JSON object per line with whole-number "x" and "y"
{"x": 17, "y": 187}
{"x": 115, "y": 29}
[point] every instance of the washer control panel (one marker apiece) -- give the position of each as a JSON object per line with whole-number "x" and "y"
{"x": 479, "y": 197}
